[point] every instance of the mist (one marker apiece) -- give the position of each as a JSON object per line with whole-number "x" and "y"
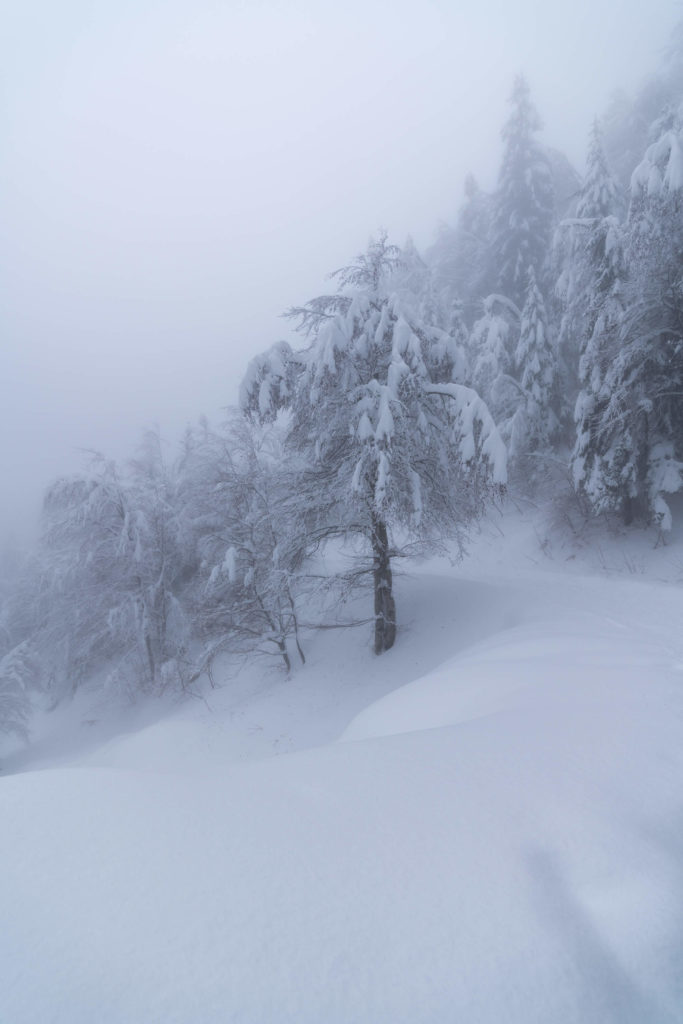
{"x": 176, "y": 175}
{"x": 351, "y": 690}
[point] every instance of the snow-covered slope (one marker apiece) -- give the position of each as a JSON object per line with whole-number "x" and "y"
{"x": 499, "y": 836}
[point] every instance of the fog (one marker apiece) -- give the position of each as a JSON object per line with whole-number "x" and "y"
{"x": 176, "y": 174}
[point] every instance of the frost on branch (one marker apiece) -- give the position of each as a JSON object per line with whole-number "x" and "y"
{"x": 474, "y": 429}
{"x": 267, "y": 384}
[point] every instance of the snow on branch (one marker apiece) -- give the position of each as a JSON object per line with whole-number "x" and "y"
{"x": 473, "y": 416}
{"x": 317, "y": 312}
{"x": 267, "y": 384}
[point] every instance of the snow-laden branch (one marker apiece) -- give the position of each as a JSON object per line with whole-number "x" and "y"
{"x": 504, "y": 301}
{"x": 470, "y": 409}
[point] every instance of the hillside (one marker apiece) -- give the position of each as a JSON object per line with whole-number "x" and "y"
{"x": 484, "y": 824}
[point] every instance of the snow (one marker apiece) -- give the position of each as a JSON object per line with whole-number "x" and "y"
{"x": 471, "y": 410}
{"x": 265, "y": 378}
{"x": 661, "y": 166}
{"x": 365, "y": 431}
{"x": 230, "y": 564}
{"x": 383, "y": 474}
{"x": 674, "y": 168}
{"x": 484, "y": 824}
{"x": 385, "y": 423}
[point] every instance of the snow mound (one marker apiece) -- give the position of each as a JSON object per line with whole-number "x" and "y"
{"x": 502, "y": 842}
{"x": 540, "y": 664}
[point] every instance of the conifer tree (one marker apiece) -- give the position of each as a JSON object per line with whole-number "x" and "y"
{"x": 491, "y": 351}
{"x": 645, "y": 380}
{"x": 459, "y": 255}
{"x": 600, "y": 195}
{"x": 602, "y": 466}
{"x": 583, "y": 278}
{"x": 457, "y": 331}
{"x": 536, "y": 367}
{"x": 523, "y": 204}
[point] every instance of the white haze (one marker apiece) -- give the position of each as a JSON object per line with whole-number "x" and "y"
{"x": 175, "y": 174}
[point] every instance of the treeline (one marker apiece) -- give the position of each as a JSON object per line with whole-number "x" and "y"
{"x": 573, "y": 297}
{"x": 146, "y": 572}
{"x": 545, "y": 326}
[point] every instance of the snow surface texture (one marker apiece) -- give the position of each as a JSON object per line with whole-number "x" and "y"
{"x": 498, "y": 837}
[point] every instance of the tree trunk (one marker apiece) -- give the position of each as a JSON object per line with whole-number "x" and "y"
{"x": 282, "y": 648}
{"x": 627, "y": 510}
{"x": 638, "y": 507}
{"x": 385, "y": 606}
{"x": 150, "y": 658}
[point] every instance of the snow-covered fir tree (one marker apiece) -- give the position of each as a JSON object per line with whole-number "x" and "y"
{"x": 631, "y": 122}
{"x": 460, "y": 339}
{"x": 599, "y": 195}
{"x": 566, "y": 183}
{"x": 491, "y": 347}
{"x": 459, "y": 254}
{"x": 579, "y": 263}
{"x": 393, "y": 450}
{"x": 602, "y": 468}
{"x": 537, "y": 371}
{"x": 523, "y": 203}
{"x": 645, "y": 379}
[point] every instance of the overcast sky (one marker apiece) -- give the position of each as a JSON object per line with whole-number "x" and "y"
{"x": 174, "y": 174}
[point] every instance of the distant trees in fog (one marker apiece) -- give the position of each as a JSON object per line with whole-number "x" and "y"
{"x": 591, "y": 369}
